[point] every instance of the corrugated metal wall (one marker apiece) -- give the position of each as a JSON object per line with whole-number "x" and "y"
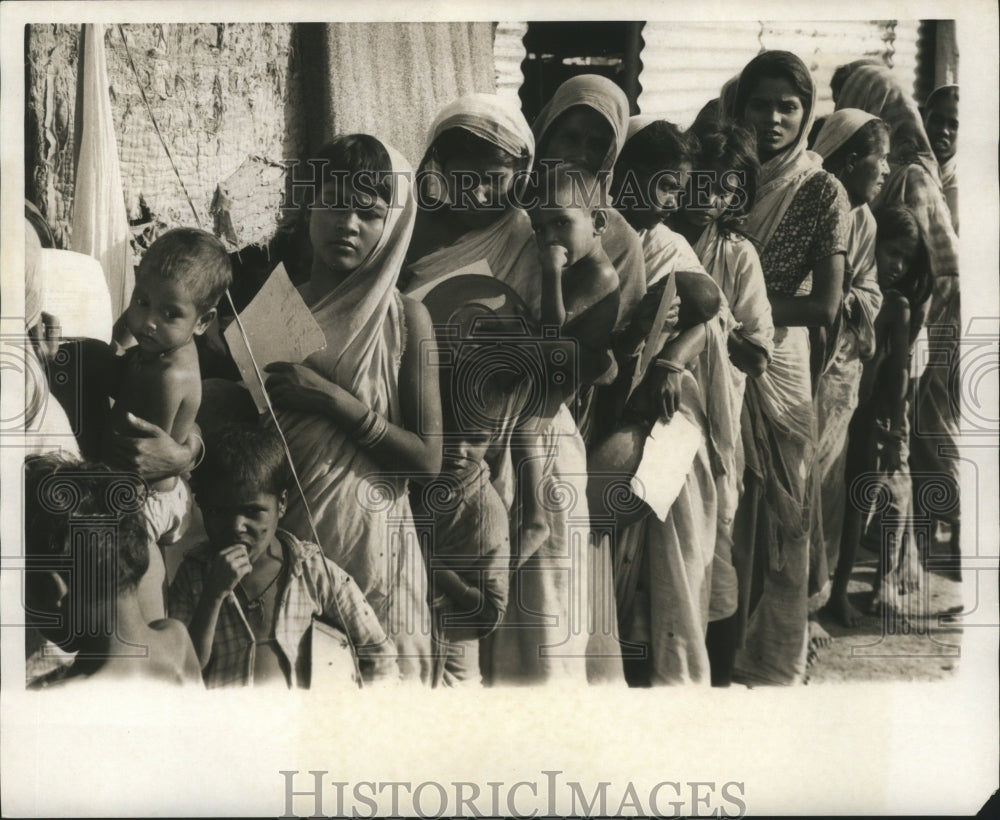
{"x": 685, "y": 64}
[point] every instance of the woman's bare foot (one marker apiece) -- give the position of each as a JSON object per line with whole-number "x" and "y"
{"x": 841, "y": 609}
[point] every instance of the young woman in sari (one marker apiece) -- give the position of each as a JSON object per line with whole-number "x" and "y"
{"x": 363, "y": 415}
{"x": 914, "y": 181}
{"x": 854, "y": 146}
{"x": 799, "y": 222}
{"x": 545, "y": 635}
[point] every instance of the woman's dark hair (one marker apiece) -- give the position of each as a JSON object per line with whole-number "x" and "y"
{"x": 249, "y": 456}
{"x": 732, "y": 147}
{"x": 866, "y": 140}
{"x": 459, "y": 142}
{"x": 771, "y": 64}
{"x": 898, "y": 222}
{"x": 358, "y": 156}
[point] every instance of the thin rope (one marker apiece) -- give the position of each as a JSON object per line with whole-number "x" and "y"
{"x": 258, "y": 374}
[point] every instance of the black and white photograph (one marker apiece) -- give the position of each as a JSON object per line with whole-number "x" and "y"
{"x": 412, "y": 413}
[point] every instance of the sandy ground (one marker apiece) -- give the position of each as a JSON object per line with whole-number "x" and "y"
{"x": 921, "y": 644}
{"x": 917, "y": 646}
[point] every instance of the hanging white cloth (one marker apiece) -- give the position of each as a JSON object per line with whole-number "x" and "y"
{"x": 100, "y": 223}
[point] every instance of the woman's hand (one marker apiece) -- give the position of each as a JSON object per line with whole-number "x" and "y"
{"x": 297, "y": 387}
{"x": 665, "y": 392}
{"x": 673, "y": 314}
{"x": 151, "y": 451}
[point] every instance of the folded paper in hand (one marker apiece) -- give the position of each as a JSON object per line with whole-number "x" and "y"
{"x": 666, "y": 460}
{"x": 280, "y": 327}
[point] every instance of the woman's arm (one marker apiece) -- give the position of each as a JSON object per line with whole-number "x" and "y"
{"x": 529, "y": 471}
{"x": 664, "y": 382}
{"x": 818, "y": 308}
{"x": 415, "y": 447}
{"x": 747, "y": 356}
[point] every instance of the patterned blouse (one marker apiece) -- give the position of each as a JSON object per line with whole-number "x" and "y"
{"x": 813, "y": 228}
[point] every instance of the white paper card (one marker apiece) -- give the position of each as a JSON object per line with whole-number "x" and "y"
{"x": 666, "y": 460}
{"x": 480, "y": 267}
{"x": 280, "y": 328}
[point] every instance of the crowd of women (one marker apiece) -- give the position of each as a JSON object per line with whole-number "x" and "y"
{"x": 769, "y": 276}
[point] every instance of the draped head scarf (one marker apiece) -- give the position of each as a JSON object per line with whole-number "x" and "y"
{"x": 354, "y": 314}
{"x": 838, "y": 128}
{"x": 593, "y": 91}
{"x": 499, "y": 121}
{"x": 874, "y": 89}
{"x": 915, "y": 179}
{"x": 784, "y": 174}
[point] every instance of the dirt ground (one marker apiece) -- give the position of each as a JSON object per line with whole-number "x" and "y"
{"x": 917, "y": 647}
{"x": 922, "y": 644}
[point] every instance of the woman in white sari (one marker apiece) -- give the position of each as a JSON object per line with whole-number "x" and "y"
{"x": 559, "y": 623}
{"x": 362, "y": 416}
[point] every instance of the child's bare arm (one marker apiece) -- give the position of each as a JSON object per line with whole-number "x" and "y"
{"x": 553, "y": 260}
{"x": 897, "y": 363}
{"x": 228, "y": 567}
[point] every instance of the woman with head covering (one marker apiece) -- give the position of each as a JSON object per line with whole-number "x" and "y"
{"x": 363, "y": 415}
{"x": 914, "y": 181}
{"x": 544, "y": 635}
{"x": 586, "y": 123}
{"x": 799, "y": 222}
{"x": 854, "y": 146}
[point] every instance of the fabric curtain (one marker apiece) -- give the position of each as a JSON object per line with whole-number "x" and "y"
{"x": 100, "y": 223}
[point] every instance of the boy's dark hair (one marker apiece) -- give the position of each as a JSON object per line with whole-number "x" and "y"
{"x": 732, "y": 147}
{"x": 195, "y": 259}
{"x": 364, "y": 161}
{"x": 59, "y": 491}
{"x": 898, "y": 222}
{"x": 249, "y": 456}
{"x": 866, "y": 140}
{"x": 769, "y": 65}
{"x": 460, "y": 142}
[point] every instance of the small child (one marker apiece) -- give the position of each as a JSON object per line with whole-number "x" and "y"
{"x": 580, "y": 287}
{"x": 80, "y": 586}
{"x": 250, "y": 594}
{"x": 879, "y": 432}
{"x": 177, "y": 286}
